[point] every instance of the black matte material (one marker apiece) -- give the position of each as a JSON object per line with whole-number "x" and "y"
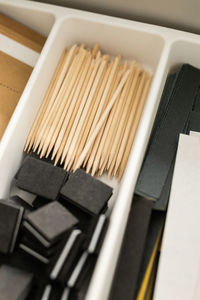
{"x": 84, "y": 218}
{"x": 40, "y": 201}
{"x": 196, "y": 105}
{"x": 167, "y": 92}
{"x": 90, "y": 232}
{"x": 70, "y": 262}
{"x": 33, "y": 253}
{"x": 162, "y": 203}
{"x": 79, "y": 267}
{"x": 84, "y": 279}
{"x": 18, "y": 201}
{"x": 10, "y": 215}
{"x": 19, "y": 259}
{"x": 163, "y": 146}
{"x": 130, "y": 258}
{"x": 41, "y": 178}
{"x": 86, "y": 192}
{"x": 56, "y": 293}
{"x": 193, "y": 122}
{"x": 33, "y": 243}
{"x": 15, "y": 284}
{"x": 52, "y": 221}
{"x": 45, "y": 159}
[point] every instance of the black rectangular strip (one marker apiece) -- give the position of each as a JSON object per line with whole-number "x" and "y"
{"x": 193, "y": 122}
{"x": 162, "y": 202}
{"x": 126, "y": 274}
{"x": 167, "y": 92}
{"x": 163, "y": 146}
{"x": 196, "y": 106}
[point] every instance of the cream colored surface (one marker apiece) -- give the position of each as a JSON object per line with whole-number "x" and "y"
{"x": 179, "y": 14}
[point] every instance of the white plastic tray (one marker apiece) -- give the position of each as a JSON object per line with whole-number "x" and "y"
{"x": 158, "y": 49}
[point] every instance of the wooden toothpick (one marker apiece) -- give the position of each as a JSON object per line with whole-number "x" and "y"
{"x": 98, "y": 99}
{"x": 109, "y": 126}
{"x": 103, "y": 104}
{"x": 98, "y": 70}
{"x": 101, "y": 121}
{"x": 64, "y": 106}
{"x": 105, "y": 128}
{"x": 90, "y": 113}
{"x": 59, "y": 103}
{"x": 134, "y": 127}
{"x": 121, "y": 124}
{"x": 77, "y": 112}
{"x": 63, "y": 134}
{"x": 45, "y": 103}
{"x": 85, "y": 130}
{"x": 130, "y": 119}
{"x": 48, "y": 113}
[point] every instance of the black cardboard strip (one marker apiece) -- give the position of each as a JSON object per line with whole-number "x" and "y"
{"x": 167, "y": 92}
{"x": 126, "y": 274}
{"x": 193, "y": 122}
{"x": 162, "y": 203}
{"x": 163, "y": 147}
{"x": 196, "y": 106}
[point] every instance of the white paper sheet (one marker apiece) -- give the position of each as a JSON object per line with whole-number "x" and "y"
{"x": 195, "y": 133}
{"x": 178, "y": 271}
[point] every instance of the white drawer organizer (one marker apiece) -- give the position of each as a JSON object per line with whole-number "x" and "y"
{"x": 159, "y": 49}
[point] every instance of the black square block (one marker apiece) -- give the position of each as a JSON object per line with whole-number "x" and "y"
{"x": 51, "y": 221}
{"x": 41, "y": 178}
{"x": 10, "y": 220}
{"x": 15, "y": 284}
{"x": 86, "y": 192}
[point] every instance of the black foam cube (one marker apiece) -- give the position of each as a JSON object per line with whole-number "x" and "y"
{"x": 51, "y": 221}
{"x": 86, "y": 192}
{"x": 15, "y": 284}
{"x": 10, "y": 220}
{"x": 41, "y": 178}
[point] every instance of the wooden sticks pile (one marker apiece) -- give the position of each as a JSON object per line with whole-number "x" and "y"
{"x": 90, "y": 113}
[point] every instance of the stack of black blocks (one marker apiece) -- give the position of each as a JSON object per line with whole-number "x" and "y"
{"x": 62, "y": 233}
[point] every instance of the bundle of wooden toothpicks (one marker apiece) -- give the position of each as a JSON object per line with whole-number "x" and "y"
{"x": 90, "y": 113}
